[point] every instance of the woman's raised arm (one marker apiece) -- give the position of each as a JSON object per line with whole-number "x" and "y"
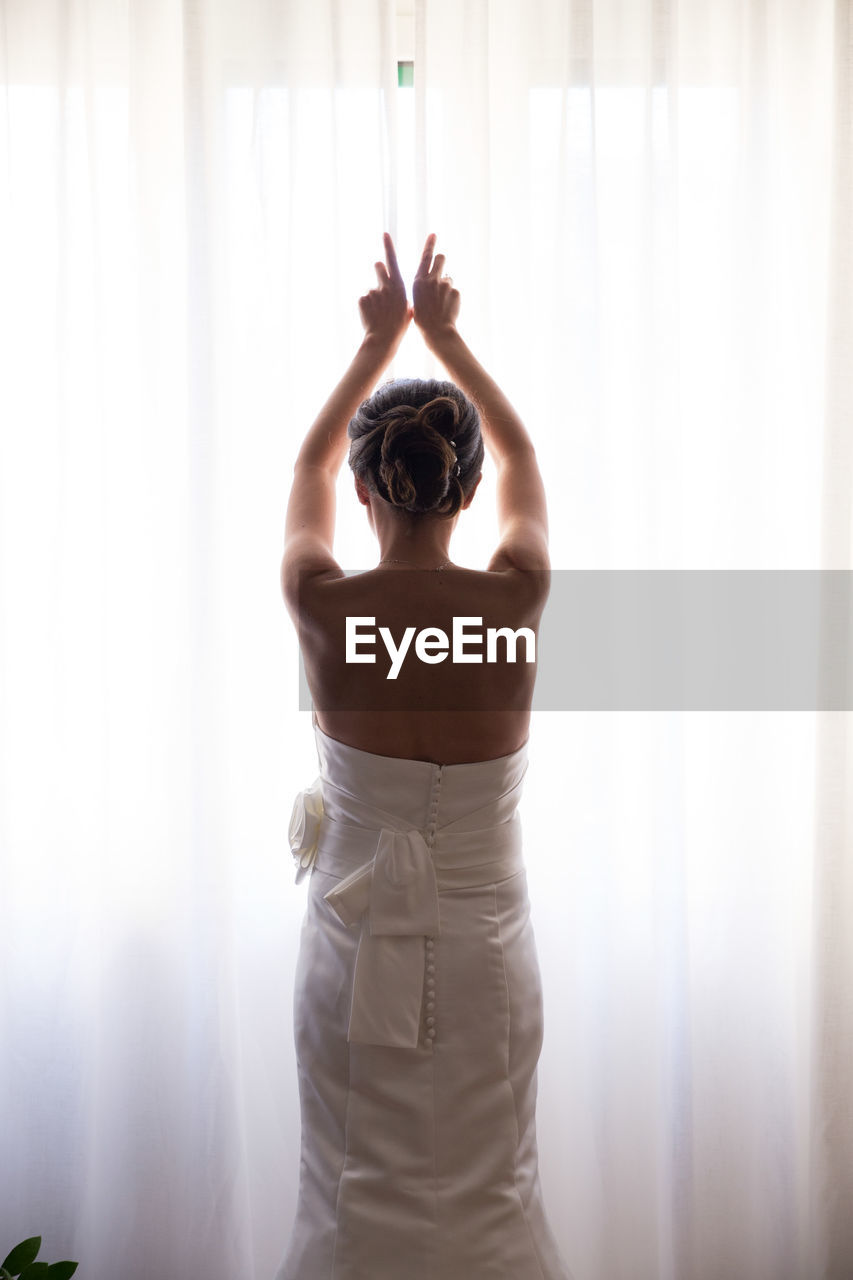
{"x": 522, "y": 509}
{"x": 310, "y": 522}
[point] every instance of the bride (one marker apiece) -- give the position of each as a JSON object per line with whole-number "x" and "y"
{"x": 418, "y": 1013}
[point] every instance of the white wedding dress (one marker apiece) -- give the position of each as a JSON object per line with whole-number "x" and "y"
{"x": 418, "y": 1021}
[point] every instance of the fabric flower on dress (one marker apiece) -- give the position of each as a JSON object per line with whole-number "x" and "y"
{"x": 305, "y": 823}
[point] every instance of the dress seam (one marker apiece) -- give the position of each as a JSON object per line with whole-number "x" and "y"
{"x": 530, "y": 1234}
{"x": 432, "y": 1261}
{"x": 435, "y": 800}
{"x": 343, "y": 1166}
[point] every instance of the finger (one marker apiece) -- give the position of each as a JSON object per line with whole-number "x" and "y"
{"x": 381, "y": 273}
{"x": 426, "y": 257}
{"x": 391, "y": 258}
{"x": 437, "y": 266}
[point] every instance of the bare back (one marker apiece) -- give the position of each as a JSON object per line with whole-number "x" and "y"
{"x": 448, "y": 711}
{"x": 439, "y": 706}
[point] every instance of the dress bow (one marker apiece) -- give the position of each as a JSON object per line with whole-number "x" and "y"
{"x": 395, "y": 896}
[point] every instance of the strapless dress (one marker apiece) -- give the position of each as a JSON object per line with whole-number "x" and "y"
{"x": 418, "y": 1026}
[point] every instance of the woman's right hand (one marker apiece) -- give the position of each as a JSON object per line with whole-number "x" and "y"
{"x": 522, "y": 510}
{"x": 436, "y": 302}
{"x": 385, "y": 312}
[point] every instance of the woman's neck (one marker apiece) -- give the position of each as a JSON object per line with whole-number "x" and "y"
{"x": 417, "y": 555}
{"x": 423, "y": 542}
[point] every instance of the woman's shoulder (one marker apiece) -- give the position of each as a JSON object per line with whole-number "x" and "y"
{"x": 503, "y": 581}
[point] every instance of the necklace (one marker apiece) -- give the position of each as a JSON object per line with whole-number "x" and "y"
{"x": 427, "y": 568}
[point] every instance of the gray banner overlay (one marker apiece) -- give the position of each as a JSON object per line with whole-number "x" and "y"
{"x": 687, "y": 640}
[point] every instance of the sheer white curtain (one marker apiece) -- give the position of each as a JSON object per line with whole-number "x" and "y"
{"x": 191, "y": 196}
{"x": 648, "y": 209}
{"x": 651, "y": 206}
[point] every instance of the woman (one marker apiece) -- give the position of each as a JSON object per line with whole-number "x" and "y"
{"x": 418, "y": 1007}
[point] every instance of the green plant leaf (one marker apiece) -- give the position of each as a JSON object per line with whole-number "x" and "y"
{"x": 61, "y": 1270}
{"x": 22, "y": 1255}
{"x": 4, "y": 1274}
{"x": 35, "y": 1271}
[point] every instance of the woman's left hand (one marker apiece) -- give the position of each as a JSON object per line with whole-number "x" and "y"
{"x": 385, "y": 311}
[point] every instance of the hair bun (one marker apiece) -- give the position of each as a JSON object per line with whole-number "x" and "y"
{"x": 440, "y": 415}
{"x": 418, "y": 460}
{"x": 419, "y": 444}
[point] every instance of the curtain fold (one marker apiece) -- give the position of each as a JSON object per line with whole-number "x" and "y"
{"x": 648, "y": 210}
{"x": 649, "y": 214}
{"x": 188, "y": 196}
{"x": 833, "y": 872}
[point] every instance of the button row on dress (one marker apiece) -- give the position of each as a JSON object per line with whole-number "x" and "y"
{"x": 432, "y": 824}
{"x": 432, "y": 818}
{"x": 430, "y": 990}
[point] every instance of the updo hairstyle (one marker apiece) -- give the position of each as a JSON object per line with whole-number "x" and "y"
{"x": 417, "y": 443}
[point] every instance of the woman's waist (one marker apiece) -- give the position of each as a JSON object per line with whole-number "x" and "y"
{"x": 462, "y": 859}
